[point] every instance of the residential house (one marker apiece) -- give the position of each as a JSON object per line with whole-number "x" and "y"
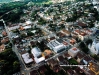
{"x": 70, "y": 72}
{"x": 80, "y": 55}
{"x": 34, "y": 72}
{"x": 87, "y": 59}
{"x": 72, "y": 41}
{"x": 4, "y": 33}
{"x": 66, "y": 32}
{"x": 66, "y": 55}
{"x": 42, "y": 69}
{"x": 2, "y": 47}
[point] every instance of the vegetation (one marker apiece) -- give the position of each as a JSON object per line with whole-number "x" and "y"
{"x": 72, "y": 61}
{"x": 9, "y": 63}
{"x": 83, "y": 47}
{"x": 96, "y": 57}
{"x": 10, "y": 6}
{"x": 89, "y": 41}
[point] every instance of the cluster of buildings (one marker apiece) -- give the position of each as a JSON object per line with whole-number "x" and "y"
{"x": 4, "y": 40}
{"x": 60, "y": 46}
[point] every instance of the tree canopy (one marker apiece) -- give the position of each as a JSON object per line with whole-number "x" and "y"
{"x": 9, "y": 63}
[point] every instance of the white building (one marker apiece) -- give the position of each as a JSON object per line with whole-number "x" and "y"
{"x": 36, "y": 52}
{"x": 38, "y": 60}
{"x": 26, "y": 58}
{"x": 73, "y": 51}
{"x": 56, "y": 46}
{"x": 37, "y": 55}
{"x": 94, "y": 48}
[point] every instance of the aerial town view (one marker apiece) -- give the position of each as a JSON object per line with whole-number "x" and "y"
{"x": 49, "y": 37}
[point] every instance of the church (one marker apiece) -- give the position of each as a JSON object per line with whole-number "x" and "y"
{"x": 94, "y": 47}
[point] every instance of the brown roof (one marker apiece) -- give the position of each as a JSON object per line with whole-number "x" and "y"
{"x": 81, "y": 24}
{"x": 66, "y": 31}
{"x": 52, "y": 38}
{"x": 56, "y": 68}
{"x": 42, "y": 69}
{"x": 72, "y": 41}
{"x": 60, "y": 34}
{"x": 77, "y": 31}
{"x": 80, "y": 55}
{"x": 88, "y": 59}
{"x": 83, "y": 34}
{"x": 65, "y": 43}
{"x": 2, "y": 47}
{"x": 66, "y": 54}
{"x": 52, "y": 62}
{"x": 70, "y": 72}
{"x": 5, "y": 40}
{"x": 74, "y": 49}
{"x": 78, "y": 70}
{"x": 60, "y": 58}
{"x": 4, "y": 33}
{"x": 21, "y": 28}
{"x": 34, "y": 72}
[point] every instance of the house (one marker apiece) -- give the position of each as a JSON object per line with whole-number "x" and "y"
{"x": 81, "y": 24}
{"x": 72, "y": 41}
{"x": 2, "y": 48}
{"x": 62, "y": 60}
{"x": 94, "y": 67}
{"x": 87, "y": 59}
{"x": 73, "y": 51}
{"x": 70, "y": 72}
{"x": 67, "y": 45}
{"x": 80, "y": 55}
{"x": 79, "y": 71}
{"x": 47, "y": 53}
{"x": 52, "y": 62}
{"x": 56, "y": 68}
{"x": 27, "y": 58}
{"x": 60, "y": 34}
{"x": 42, "y": 69}
{"x": 34, "y": 72}
{"x": 28, "y": 22}
{"x": 13, "y": 27}
{"x": 4, "y": 33}
{"x": 66, "y": 32}
{"x": 5, "y": 40}
{"x": 66, "y": 55}
{"x": 27, "y": 27}
{"x": 87, "y": 31}
{"x": 81, "y": 35}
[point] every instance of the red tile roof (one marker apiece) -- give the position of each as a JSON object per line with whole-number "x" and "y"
{"x": 4, "y": 33}
{"x": 81, "y": 24}
{"x": 65, "y": 43}
{"x": 5, "y": 40}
